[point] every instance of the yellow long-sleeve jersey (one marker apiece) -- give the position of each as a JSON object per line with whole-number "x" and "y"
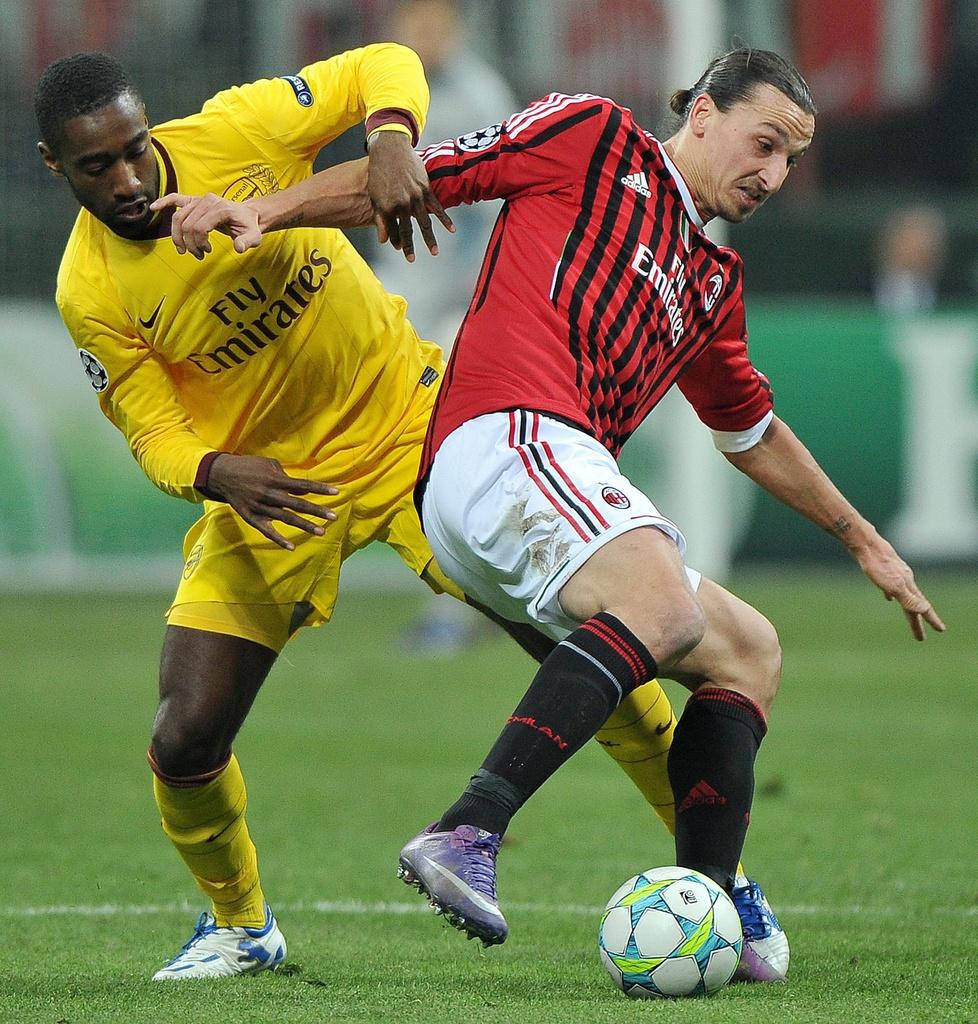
{"x": 292, "y": 350}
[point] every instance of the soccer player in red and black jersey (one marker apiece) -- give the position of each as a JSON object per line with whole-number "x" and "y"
{"x": 599, "y": 291}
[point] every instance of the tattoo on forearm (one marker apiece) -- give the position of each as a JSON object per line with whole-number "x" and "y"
{"x": 840, "y": 527}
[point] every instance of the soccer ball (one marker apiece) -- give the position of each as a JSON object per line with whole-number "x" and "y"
{"x": 670, "y": 932}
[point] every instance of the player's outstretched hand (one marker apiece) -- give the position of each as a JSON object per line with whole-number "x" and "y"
{"x": 880, "y": 562}
{"x": 195, "y": 217}
{"x": 261, "y": 492}
{"x": 397, "y": 183}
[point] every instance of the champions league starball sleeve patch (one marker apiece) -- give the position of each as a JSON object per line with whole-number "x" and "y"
{"x": 301, "y": 89}
{"x": 98, "y": 376}
{"x": 484, "y": 138}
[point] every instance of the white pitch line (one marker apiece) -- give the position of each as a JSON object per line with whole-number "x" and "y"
{"x": 386, "y": 908}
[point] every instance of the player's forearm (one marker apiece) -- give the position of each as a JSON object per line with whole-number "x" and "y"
{"x": 160, "y": 434}
{"x": 334, "y": 198}
{"x": 172, "y": 463}
{"x": 786, "y": 469}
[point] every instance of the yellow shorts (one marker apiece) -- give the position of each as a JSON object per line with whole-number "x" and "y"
{"x": 237, "y": 582}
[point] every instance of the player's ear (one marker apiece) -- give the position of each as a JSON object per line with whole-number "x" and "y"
{"x": 52, "y": 162}
{"x": 701, "y": 112}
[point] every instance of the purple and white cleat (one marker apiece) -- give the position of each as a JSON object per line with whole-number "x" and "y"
{"x": 457, "y": 872}
{"x": 765, "y": 955}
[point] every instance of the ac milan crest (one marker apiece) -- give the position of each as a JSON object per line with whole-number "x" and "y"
{"x": 713, "y": 288}
{"x": 616, "y": 498}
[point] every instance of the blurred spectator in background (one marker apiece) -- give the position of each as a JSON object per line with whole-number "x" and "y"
{"x": 910, "y": 260}
{"x": 466, "y": 93}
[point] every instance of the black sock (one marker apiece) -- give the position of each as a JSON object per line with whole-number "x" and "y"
{"x": 572, "y": 695}
{"x": 711, "y": 768}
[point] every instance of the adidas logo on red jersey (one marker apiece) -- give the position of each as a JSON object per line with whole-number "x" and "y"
{"x": 701, "y": 794}
{"x": 638, "y": 182}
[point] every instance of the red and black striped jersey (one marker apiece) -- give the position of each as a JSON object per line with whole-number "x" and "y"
{"x": 599, "y": 289}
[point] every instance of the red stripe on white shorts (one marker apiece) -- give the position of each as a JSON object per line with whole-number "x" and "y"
{"x": 548, "y": 451}
{"x": 541, "y": 485}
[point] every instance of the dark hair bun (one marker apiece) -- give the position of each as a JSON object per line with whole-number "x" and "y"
{"x": 680, "y": 100}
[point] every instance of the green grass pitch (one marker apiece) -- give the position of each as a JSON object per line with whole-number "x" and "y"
{"x": 864, "y": 832}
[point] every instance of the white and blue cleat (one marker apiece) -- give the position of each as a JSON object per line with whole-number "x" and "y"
{"x": 765, "y": 955}
{"x": 213, "y": 952}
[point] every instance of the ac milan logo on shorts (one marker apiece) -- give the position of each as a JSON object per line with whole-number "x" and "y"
{"x": 616, "y": 498}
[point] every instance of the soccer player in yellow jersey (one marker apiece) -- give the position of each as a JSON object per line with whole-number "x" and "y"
{"x": 282, "y": 388}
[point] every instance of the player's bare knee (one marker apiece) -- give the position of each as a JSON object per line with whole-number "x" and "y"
{"x": 669, "y": 635}
{"x": 759, "y": 659}
{"x": 682, "y": 632}
{"x": 183, "y": 757}
{"x": 183, "y": 747}
{"x": 769, "y": 656}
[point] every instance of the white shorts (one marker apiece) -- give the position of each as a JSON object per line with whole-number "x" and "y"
{"x": 517, "y": 502}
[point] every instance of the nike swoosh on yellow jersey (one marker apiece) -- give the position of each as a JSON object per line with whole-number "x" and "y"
{"x": 151, "y": 319}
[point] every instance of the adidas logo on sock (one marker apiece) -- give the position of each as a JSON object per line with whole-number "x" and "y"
{"x": 701, "y": 794}
{"x": 638, "y": 182}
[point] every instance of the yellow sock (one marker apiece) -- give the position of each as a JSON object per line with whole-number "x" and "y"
{"x": 206, "y": 823}
{"x": 638, "y": 736}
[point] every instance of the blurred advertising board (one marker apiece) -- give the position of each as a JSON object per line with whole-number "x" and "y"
{"x": 888, "y": 406}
